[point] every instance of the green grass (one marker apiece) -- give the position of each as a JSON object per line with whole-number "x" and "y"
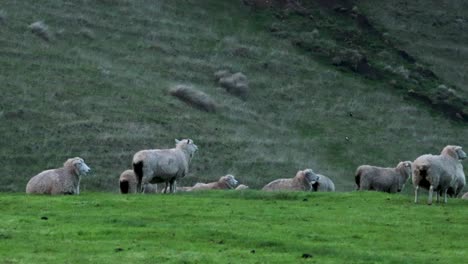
{"x": 230, "y": 227}
{"x": 99, "y": 90}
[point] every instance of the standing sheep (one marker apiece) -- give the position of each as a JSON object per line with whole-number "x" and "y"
{"x": 163, "y": 165}
{"x": 439, "y": 173}
{"x": 65, "y": 180}
{"x": 324, "y": 184}
{"x": 389, "y": 180}
{"x": 303, "y": 181}
{"x": 224, "y": 183}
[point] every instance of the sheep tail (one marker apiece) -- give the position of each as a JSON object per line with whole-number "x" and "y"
{"x": 138, "y": 169}
{"x": 357, "y": 178}
{"x": 124, "y": 186}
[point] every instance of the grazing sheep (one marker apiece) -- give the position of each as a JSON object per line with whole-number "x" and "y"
{"x": 194, "y": 97}
{"x": 163, "y": 165}
{"x": 389, "y": 180}
{"x": 324, "y": 184}
{"x": 40, "y": 29}
{"x": 65, "y": 180}
{"x": 242, "y": 187}
{"x": 439, "y": 173}
{"x": 225, "y": 182}
{"x": 465, "y": 196}
{"x": 303, "y": 181}
{"x": 128, "y": 183}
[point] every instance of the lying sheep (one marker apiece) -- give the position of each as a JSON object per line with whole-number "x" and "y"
{"x": 324, "y": 184}
{"x": 65, "y": 180}
{"x": 389, "y": 180}
{"x": 163, "y": 165}
{"x": 242, "y": 187}
{"x": 128, "y": 183}
{"x": 303, "y": 181}
{"x": 465, "y": 196}
{"x": 224, "y": 183}
{"x": 439, "y": 173}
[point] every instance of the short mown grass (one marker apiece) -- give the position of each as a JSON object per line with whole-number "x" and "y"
{"x": 231, "y": 227}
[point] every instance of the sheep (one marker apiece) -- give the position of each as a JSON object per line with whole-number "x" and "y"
{"x": 390, "y": 180}
{"x": 241, "y": 187}
{"x": 224, "y": 183}
{"x": 128, "y": 183}
{"x": 65, "y": 180}
{"x": 303, "y": 181}
{"x": 163, "y": 165}
{"x": 324, "y": 184}
{"x": 439, "y": 173}
{"x": 465, "y": 196}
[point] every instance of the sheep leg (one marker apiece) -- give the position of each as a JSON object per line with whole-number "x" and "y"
{"x": 431, "y": 190}
{"x": 416, "y": 194}
{"x": 172, "y": 185}
{"x": 165, "y": 187}
{"x": 445, "y": 195}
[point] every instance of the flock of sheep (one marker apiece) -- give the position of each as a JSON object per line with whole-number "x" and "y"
{"x": 442, "y": 174}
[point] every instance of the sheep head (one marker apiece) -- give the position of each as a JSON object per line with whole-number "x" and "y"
{"x": 406, "y": 170}
{"x": 455, "y": 152}
{"x": 229, "y": 180}
{"x": 187, "y": 146}
{"x": 311, "y": 178}
{"x": 78, "y": 165}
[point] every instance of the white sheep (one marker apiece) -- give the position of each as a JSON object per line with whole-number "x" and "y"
{"x": 163, "y": 165}
{"x": 242, "y": 187}
{"x": 389, "y": 180}
{"x": 224, "y": 183}
{"x": 324, "y": 184}
{"x": 303, "y": 181}
{"x": 439, "y": 173}
{"x": 65, "y": 180}
{"x": 465, "y": 196}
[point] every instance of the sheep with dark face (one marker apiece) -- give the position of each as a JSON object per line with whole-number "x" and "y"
{"x": 380, "y": 179}
{"x": 128, "y": 183}
{"x": 163, "y": 165}
{"x": 303, "y": 181}
{"x": 324, "y": 184}
{"x": 65, "y": 180}
{"x": 440, "y": 173}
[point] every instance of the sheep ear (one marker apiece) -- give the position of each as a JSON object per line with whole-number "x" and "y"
{"x": 177, "y": 141}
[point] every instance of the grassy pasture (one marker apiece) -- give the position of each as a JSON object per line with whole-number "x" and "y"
{"x": 231, "y": 227}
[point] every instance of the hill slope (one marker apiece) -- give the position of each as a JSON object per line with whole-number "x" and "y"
{"x": 98, "y": 89}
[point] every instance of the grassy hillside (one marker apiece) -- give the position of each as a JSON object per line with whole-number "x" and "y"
{"x": 99, "y": 89}
{"x": 230, "y": 227}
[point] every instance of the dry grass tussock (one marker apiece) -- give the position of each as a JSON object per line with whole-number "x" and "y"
{"x": 234, "y": 83}
{"x": 41, "y": 30}
{"x": 194, "y": 97}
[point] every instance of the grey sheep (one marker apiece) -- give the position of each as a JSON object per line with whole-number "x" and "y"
{"x": 303, "y": 181}
{"x": 242, "y": 187}
{"x": 65, "y": 180}
{"x": 324, "y": 184}
{"x": 440, "y": 173}
{"x": 163, "y": 165}
{"x": 380, "y": 179}
{"x": 224, "y": 183}
{"x": 465, "y": 196}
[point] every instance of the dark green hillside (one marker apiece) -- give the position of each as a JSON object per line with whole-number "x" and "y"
{"x": 98, "y": 88}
